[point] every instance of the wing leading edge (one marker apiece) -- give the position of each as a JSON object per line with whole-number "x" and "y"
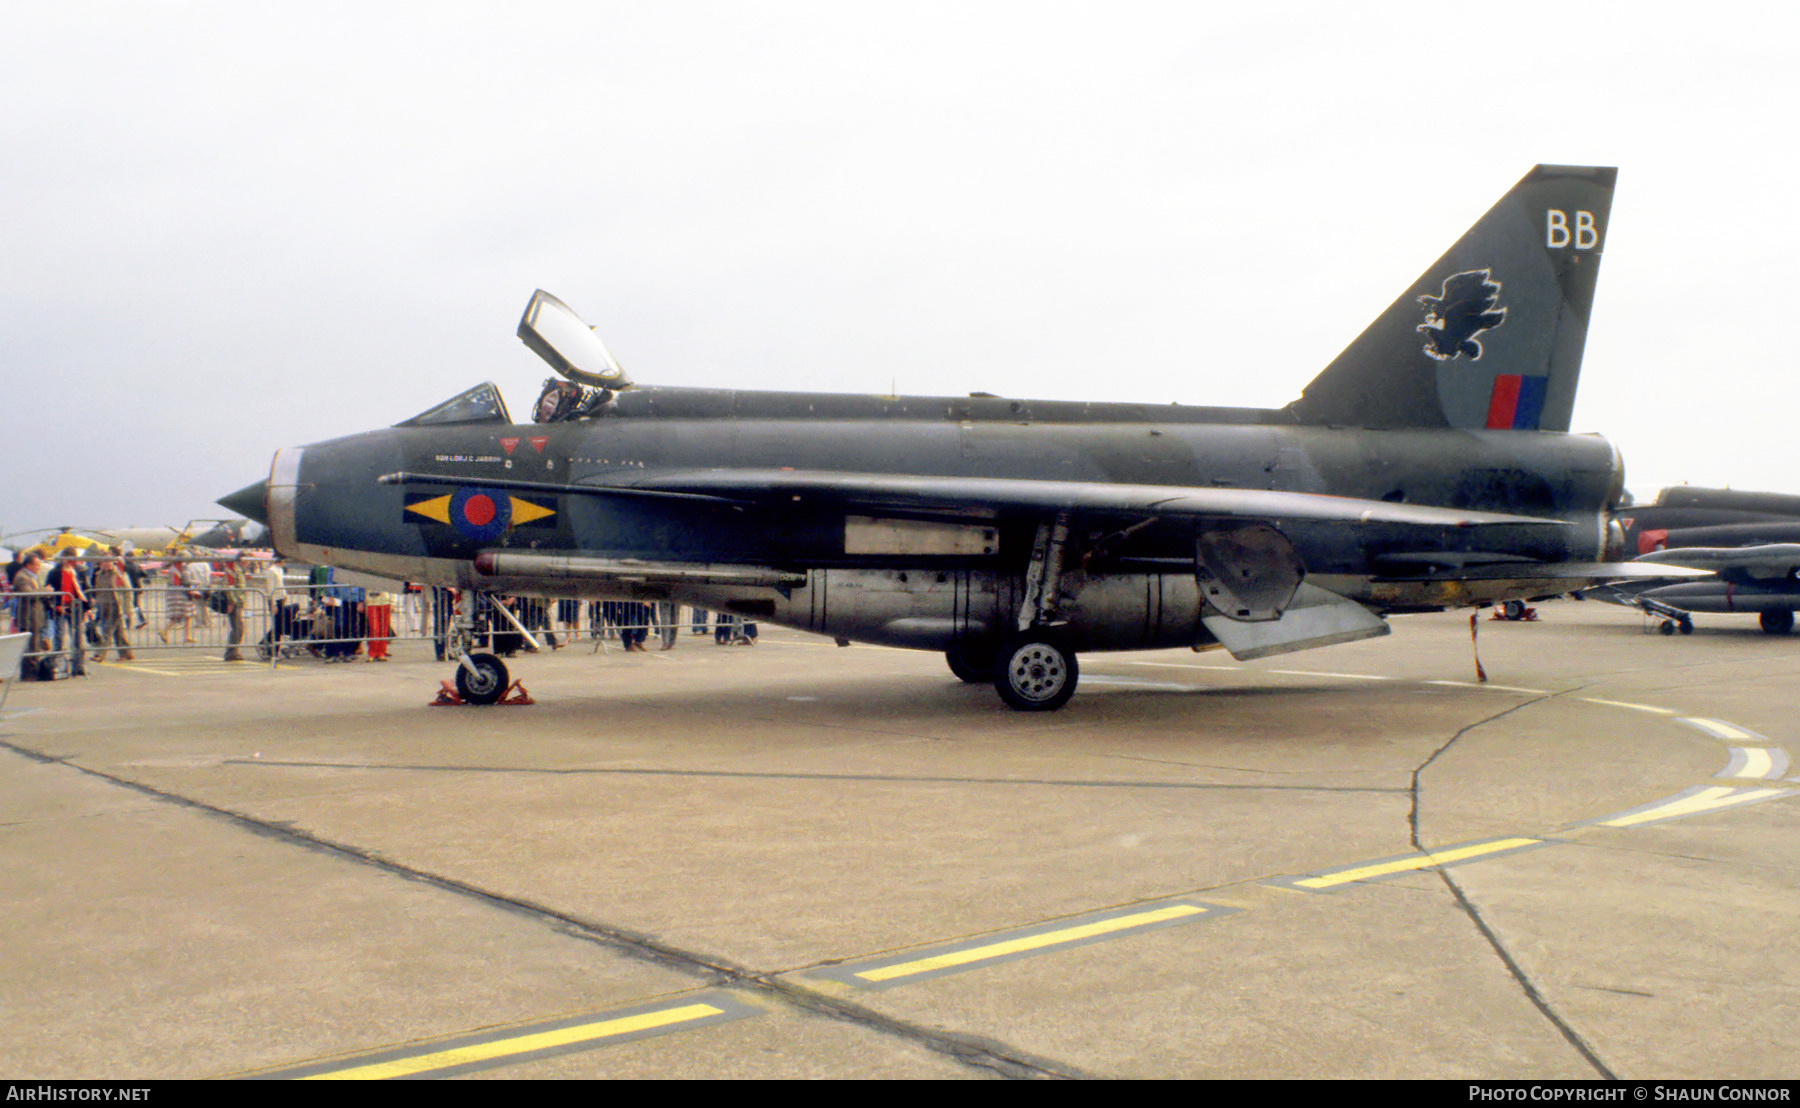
{"x": 957, "y": 498}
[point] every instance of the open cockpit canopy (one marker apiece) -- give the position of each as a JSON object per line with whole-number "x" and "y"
{"x": 556, "y": 334}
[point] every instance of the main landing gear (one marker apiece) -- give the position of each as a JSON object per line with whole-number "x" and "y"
{"x": 1036, "y": 675}
{"x": 1033, "y": 670}
{"x": 1777, "y": 621}
{"x": 1033, "y": 673}
{"x": 973, "y": 663}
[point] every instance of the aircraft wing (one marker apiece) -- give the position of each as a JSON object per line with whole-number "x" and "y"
{"x": 959, "y": 497}
{"x": 1770, "y": 560}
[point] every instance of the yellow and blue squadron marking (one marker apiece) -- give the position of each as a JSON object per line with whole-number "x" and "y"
{"x": 479, "y": 515}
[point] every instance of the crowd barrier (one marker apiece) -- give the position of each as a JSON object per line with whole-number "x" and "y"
{"x": 173, "y": 611}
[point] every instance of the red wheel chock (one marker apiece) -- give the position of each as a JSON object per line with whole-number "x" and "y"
{"x": 516, "y": 695}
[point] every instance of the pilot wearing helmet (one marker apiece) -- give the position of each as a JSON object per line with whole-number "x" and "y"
{"x": 565, "y": 400}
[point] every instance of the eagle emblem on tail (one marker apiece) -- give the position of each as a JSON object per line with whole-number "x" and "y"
{"x": 1467, "y": 305}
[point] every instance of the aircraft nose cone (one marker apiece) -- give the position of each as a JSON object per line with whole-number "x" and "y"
{"x": 250, "y": 502}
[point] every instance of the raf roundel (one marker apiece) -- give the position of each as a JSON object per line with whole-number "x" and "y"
{"x": 480, "y": 515}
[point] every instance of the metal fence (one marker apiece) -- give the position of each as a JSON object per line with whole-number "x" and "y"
{"x": 177, "y": 611}
{"x": 161, "y": 614}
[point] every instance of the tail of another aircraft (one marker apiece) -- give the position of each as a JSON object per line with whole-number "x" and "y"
{"x": 1491, "y": 335}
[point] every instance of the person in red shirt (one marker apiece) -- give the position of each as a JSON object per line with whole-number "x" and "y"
{"x": 71, "y": 609}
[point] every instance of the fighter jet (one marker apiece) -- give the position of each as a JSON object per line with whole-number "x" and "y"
{"x": 1749, "y": 542}
{"x": 1429, "y": 466}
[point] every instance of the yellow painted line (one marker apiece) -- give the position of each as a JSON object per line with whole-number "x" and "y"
{"x": 1418, "y": 861}
{"x": 1627, "y": 704}
{"x": 1757, "y": 762}
{"x": 189, "y": 665}
{"x": 1719, "y": 729}
{"x": 522, "y": 1044}
{"x": 1027, "y": 943}
{"x": 133, "y": 667}
{"x": 1705, "y": 800}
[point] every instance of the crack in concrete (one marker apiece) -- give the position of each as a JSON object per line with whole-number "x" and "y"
{"x": 1569, "y": 1034}
{"x": 969, "y": 1050}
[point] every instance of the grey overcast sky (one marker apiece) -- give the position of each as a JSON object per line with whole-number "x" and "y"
{"x": 230, "y": 227}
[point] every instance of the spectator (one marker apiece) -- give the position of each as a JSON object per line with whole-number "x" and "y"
{"x": 234, "y": 598}
{"x": 345, "y": 603}
{"x": 443, "y": 617}
{"x": 198, "y": 576}
{"x": 378, "y": 608}
{"x": 70, "y": 609}
{"x": 112, "y": 607}
{"x": 179, "y": 600}
{"x": 30, "y": 614}
{"x": 281, "y": 609}
{"x": 135, "y": 573}
{"x": 636, "y": 626}
{"x": 412, "y": 608}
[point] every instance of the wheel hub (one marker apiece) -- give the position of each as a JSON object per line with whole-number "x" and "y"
{"x": 1038, "y": 672}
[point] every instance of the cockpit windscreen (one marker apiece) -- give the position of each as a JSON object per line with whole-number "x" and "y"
{"x": 481, "y": 404}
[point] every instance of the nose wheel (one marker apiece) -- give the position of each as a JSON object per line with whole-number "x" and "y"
{"x": 482, "y": 679}
{"x": 1036, "y": 676}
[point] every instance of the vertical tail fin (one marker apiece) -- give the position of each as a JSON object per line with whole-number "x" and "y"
{"x": 1491, "y": 335}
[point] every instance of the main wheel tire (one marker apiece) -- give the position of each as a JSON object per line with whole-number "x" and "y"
{"x": 1513, "y": 609}
{"x": 1036, "y": 676}
{"x": 973, "y": 663}
{"x": 487, "y": 684}
{"x": 1777, "y": 621}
